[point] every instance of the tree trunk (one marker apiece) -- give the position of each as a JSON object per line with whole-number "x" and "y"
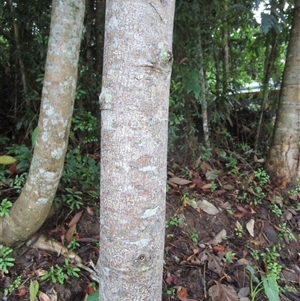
{"x": 134, "y": 118}
{"x": 283, "y": 161}
{"x": 203, "y": 100}
{"x": 34, "y": 203}
{"x": 99, "y": 23}
{"x": 18, "y": 53}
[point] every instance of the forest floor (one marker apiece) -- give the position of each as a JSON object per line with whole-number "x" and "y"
{"x": 229, "y": 235}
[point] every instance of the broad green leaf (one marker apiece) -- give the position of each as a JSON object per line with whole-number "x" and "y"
{"x": 33, "y": 137}
{"x": 271, "y": 288}
{"x": 6, "y": 160}
{"x": 252, "y": 272}
{"x": 33, "y": 289}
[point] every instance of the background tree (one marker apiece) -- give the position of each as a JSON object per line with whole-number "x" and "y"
{"x": 134, "y": 119}
{"x": 34, "y": 203}
{"x": 284, "y": 152}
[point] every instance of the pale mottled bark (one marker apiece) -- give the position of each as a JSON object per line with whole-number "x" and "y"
{"x": 33, "y": 205}
{"x": 283, "y": 161}
{"x": 134, "y": 113}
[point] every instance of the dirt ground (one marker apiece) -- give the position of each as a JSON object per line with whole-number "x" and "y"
{"x": 219, "y": 228}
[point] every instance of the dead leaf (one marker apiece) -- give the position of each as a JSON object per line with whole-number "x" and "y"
{"x": 43, "y": 297}
{"x": 219, "y": 248}
{"x": 70, "y": 233}
{"x": 75, "y": 219}
{"x": 219, "y": 237}
{"x": 183, "y": 61}
{"x": 205, "y": 167}
{"x": 228, "y": 187}
{"x": 13, "y": 169}
{"x": 250, "y": 227}
{"x": 22, "y": 291}
{"x": 289, "y": 276}
{"x": 242, "y": 261}
{"x": 219, "y": 192}
{"x": 257, "y": 243}
{"x": 172, "y": 279}
{"x": 90, "y": 289}
{"x": 244, "y": 292}
{"x": 179, "y": 181}
{"x": 207, "y": 207}
{"x": 193, "y": 259}
{"x": 215, "y": 264}
{"x": 182, "y": 295}
{"x": 244, "y": 211}
{"x": 287, "y": 215}
{"x": 53, "y": 295}
{"x": 222, "y": 292}
{"x": 206, "y": 186}
{"x": 90, "y": 211}
{"x": 211, "y": 175}
{"x": 198, "y": 183}
{"x": 54, "y": 246}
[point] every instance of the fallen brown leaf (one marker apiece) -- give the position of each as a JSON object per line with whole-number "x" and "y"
{"x": 70, "y": 233}
{"x": 75, "y": 219}
{"x": 90, "y": 211}
{"x": 179, "y": 181}
{"x": 215, "y": 264}
{"x": 222, "y": 292}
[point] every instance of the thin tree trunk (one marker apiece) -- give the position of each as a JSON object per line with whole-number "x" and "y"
{"x": 205, "y": 124}
{"x": 271, "y": 54}
{"x": 225, "y": 45}
{"x": 20, "y": 59}
{"x": 100, "y": 16}
{"x": 32, "y": 207}
{"x": 89, "y": 41}
{"x": 283, "y": 161}
{"x": 134, "y": 119}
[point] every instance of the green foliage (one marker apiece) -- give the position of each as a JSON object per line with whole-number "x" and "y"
{"x": 270, "y": 257}
{"x": 19, "y": 181}
{"x": 3, "y": 174}
{"x": 13, "y": 286}
{"x": 33, "y": 137}
{"x": 80, "y": 171}
{"x": 268, "y": 284}
{"x": 86, "y": 125}
{"x": 5, "y": 207}
{"x": 73, "y": 198}
{"x": 205, "y": 152}
{"x": 286, "y": 232}
{"x": 60, "y": 273}
{"x": 56, "y": 274}
{"x": 232, "y": 162}
{"x": 229, "y": 256}
{"x": 261, "y": 176}
{"x": 23, "y": 154}
{"x": 238, "y": 230}
{"x": 94, "y": 296}
{"x": 6, "y": 260}
{"x": 194, "y": 237}
{"x": 271, "y": 287}
{"x": 73, "y": 245}
{"x": 255, "y": 254}
{"x": 174, "y": 221}
{"x": 33, "y": 290}
{"x": 276, "y": 210}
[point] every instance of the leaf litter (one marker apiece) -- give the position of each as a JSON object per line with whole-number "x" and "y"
{"x": 204, "y": 258}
